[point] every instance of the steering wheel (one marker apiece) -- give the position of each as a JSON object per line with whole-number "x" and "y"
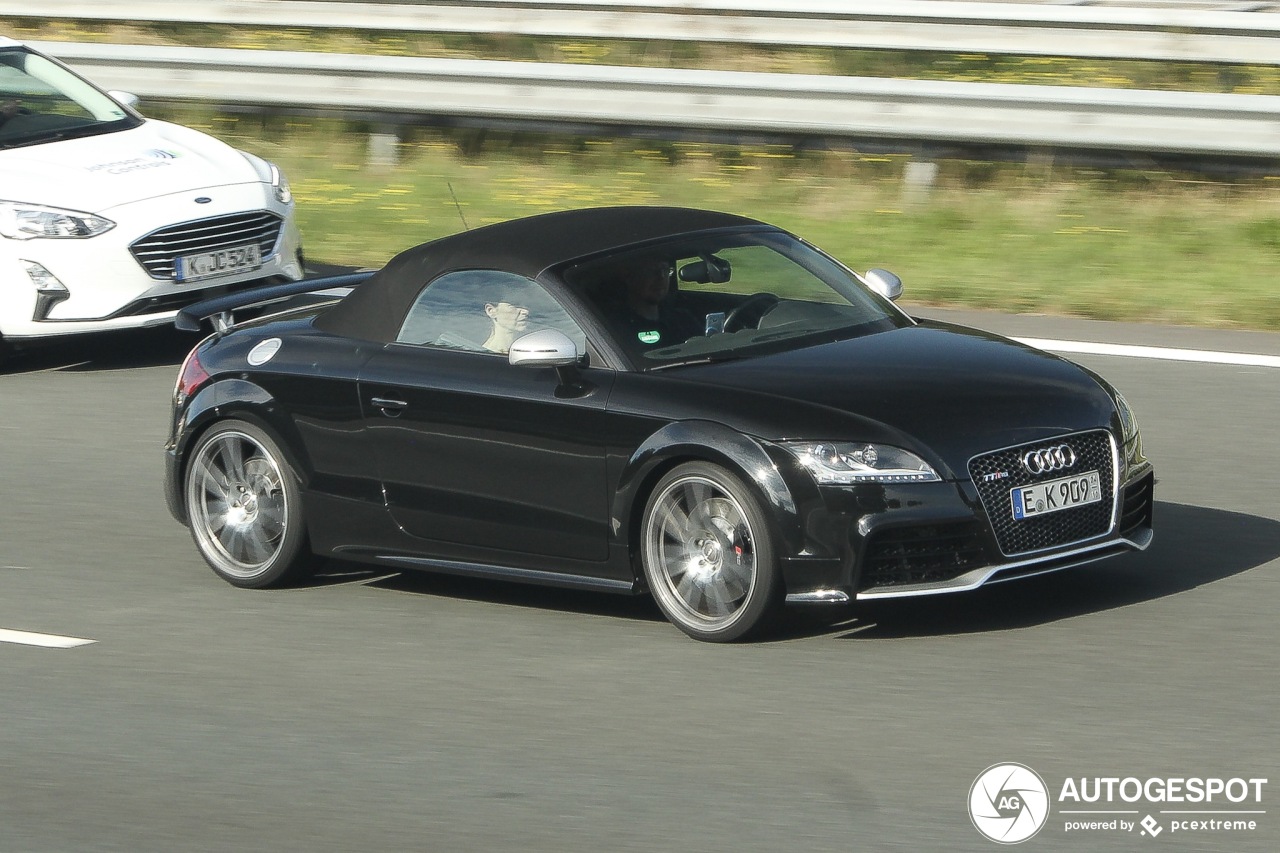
{"x": 760, "y": 302}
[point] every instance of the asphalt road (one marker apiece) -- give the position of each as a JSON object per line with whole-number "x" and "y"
{"x": 423, "y": 713}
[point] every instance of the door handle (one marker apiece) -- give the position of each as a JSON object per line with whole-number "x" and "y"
{"x": 390, "y": 408}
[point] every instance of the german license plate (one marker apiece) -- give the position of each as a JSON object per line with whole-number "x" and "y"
{"x": 219, "y": 262}
{"x": 1055, "y": 495}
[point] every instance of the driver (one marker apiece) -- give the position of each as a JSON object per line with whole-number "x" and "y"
{"x": 647, "y": 314}
{"x": 9, "y": 109}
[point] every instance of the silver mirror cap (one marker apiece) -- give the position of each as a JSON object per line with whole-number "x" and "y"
{"x": 129, "y": 99}
{"x": 545, "y": 348}
{"x": 884, "y": 283}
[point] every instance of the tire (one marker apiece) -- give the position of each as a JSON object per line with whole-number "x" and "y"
{"x": 708, "y": 555}
{"x": 244, "y": 507}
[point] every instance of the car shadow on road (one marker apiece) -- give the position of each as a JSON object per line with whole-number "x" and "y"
{"x": 490, "y": 591}
{"x": 1194, "y": 546}
{"x": 122, "y": 350}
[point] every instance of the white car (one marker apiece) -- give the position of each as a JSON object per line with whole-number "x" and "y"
{"x": 109, "y": 220}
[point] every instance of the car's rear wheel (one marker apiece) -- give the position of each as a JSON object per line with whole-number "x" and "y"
{"x": 244, "y": 507}
{"x": 707, "y": 554}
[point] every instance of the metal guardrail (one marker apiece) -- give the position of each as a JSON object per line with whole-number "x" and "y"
{"x": 1219, "y": 35}
{"x": 794, "y": 104}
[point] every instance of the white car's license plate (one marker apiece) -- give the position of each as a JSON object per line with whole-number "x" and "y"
{"x": 1054, "y": 495}
{"x": 220, "y": 262}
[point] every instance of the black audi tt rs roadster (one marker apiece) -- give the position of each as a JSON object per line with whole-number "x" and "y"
{"x": 690, "y": 404}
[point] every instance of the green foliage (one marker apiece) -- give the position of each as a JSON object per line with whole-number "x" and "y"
{"x": 1263, "y": 233}
{"x": 1081, "y": 242}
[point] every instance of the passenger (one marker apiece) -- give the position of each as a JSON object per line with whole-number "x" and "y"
{"x": 509, "y": 322}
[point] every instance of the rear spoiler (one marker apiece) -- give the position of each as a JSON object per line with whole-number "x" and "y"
{"x": 220, "y": 309}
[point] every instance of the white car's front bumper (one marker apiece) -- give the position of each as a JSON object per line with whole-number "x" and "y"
{"x": 107, "y": 288}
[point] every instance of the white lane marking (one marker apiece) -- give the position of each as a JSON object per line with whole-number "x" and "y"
{"x": 1168, "y": 353}
{"x": 48, "y": 641}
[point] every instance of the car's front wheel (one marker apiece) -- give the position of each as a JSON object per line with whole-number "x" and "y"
{"x": 244, "y": 507}
{"x": 707, "y": 554}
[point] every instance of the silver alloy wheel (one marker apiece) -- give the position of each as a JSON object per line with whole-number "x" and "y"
{"x": 237, "y": 504}
{"x": 700, "y": 547}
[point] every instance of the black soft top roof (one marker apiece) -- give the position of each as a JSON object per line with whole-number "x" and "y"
{"x": 526, "y": 247}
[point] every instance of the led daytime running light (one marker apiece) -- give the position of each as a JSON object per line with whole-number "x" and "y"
{"x": 834, "y": 463}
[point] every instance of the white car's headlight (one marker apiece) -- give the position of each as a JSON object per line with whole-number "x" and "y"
{"x": 22, "y": 221}
{"x": 836, "y": 462}
{"x": 279, "y": 185}
{"x": 269, "y": 173}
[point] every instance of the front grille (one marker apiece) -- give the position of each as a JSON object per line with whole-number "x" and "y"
{"x": 994, "y": 474}
{"x": 922, "y": 554}
{"x": 1136, "y": 505}
{"x": 158, "y": 251}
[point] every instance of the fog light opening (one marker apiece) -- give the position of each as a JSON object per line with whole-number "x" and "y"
{"x": 49, "y": 290}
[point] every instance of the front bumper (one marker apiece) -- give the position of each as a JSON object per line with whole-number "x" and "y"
{"x": 871, "y": 542}
{"x": 107, "y": 288}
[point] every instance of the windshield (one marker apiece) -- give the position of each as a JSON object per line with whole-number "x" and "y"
{"x": 41, "y": 101}
{"x": 727, "y": 295}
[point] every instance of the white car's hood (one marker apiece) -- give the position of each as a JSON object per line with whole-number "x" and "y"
{"x": 97, "y": 173}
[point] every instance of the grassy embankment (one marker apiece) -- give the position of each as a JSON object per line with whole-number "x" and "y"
{"x": 1135, "y": 245}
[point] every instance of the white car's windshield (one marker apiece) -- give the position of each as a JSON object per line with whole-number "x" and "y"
{"x": 727, "y": 295}
{"x": 40, "y": 101}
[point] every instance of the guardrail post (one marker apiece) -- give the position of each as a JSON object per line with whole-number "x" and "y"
{"x": 384, "y": 148}
{"x": 917, "y": 180}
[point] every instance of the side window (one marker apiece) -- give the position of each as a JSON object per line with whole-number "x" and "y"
{"x": 483, "y": 311}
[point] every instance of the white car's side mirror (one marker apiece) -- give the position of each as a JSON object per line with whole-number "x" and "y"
{"x": 129, "y": 99}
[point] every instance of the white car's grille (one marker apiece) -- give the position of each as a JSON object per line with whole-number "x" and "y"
{"x": 159, "y": 250}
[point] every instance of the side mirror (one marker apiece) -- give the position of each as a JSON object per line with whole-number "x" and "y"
{"x": 129, "y": 99}
{"x": 884, "y": 283}
{"x": 545, "y": 348}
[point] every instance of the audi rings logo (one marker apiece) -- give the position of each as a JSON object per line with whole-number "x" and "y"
{"x": 1058, "y": 458}
{"x": 1008, "y": 803}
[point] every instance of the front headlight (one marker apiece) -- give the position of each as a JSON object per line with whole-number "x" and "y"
{"x": 22, "y": 221}
{"x": 838, "y": 462}
{"x": 279, "y": 185}
{"x": 269, "y": 173}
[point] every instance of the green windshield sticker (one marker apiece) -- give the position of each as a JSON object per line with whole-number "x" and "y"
{"x": 650, "y": 337}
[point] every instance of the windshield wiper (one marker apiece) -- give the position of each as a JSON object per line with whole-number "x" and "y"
{"x": 702, "y": 359}
{"x": 38, "y": 137}
{"x": 34, "y": 139}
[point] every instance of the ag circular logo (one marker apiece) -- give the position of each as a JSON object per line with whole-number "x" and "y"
{"x": 1008, "y": 803}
